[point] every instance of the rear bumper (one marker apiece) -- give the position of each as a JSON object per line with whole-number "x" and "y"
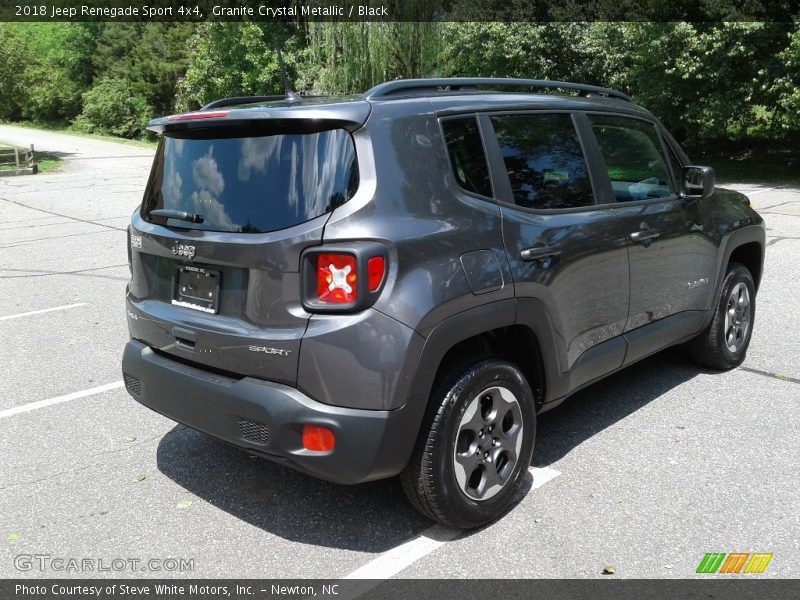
{"x": 267, "y": 418}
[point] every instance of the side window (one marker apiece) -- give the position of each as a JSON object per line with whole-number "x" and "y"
{"x": 467, "y": 158}
{"x": 633, "y": 156}
{"x": 544, "y": 160}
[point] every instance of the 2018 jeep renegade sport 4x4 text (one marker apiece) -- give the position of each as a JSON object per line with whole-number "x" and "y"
{"x": 398, "y": 282}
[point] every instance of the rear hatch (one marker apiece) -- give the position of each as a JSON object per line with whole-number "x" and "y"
{"x": 233, "y": 199}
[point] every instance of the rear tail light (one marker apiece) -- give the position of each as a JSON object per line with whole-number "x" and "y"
{"x": 343, "y": 277}
{"x": 318, "y": 439}
{"x": 336, "y": 278}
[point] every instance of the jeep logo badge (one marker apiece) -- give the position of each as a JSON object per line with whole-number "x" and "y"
{"x": 183, "y": 250}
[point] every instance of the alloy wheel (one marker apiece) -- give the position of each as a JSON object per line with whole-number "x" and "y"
{"x": 488, "y": 443}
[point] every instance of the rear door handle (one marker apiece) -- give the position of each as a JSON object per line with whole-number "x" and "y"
{"x": 538, "y": 252}
{"x": 644, "y": 235}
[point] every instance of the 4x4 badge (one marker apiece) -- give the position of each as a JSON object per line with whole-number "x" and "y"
{"x": 183, "y": 250}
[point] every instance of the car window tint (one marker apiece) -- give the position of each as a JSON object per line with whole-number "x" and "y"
{"x": 633, "y": 156}
{"x": 467, "y": 158}
{"x": 251, "y": 184}
{"x": 544, "y": 160}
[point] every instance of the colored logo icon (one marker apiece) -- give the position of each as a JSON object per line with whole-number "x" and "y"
{"x": 736, "y": 562}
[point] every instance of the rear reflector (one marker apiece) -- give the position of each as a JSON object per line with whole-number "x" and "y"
{"x": 375, "y": 268}
{"x": 336, "y": 278}
{"x": 318, "y": 439}
{"x": 199, "y": 115}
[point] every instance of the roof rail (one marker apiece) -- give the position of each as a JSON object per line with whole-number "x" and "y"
{"x": 241, "y": 100}
{"x": 405, "y": 86}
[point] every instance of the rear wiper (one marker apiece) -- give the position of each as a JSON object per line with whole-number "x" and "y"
{"x": 177, "y": 214}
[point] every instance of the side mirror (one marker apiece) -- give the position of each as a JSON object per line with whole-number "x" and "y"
{"x": 697, "y": 182}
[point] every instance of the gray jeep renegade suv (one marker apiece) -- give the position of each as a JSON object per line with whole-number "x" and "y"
{"x": 398, "y": 282}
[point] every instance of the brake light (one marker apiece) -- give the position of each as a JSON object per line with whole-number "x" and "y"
{"x": 318, "y": 439}
{"x": 375, "y": 269}
{"x": 336, "y": 278}
{"x": 199, "y": 115}
{"x": 343, "y": 277}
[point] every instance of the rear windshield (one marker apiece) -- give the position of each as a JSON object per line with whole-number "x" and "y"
{"x": 251, "y": 184}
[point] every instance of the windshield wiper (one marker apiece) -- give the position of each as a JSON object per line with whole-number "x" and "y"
{"x": 177, "y": 214}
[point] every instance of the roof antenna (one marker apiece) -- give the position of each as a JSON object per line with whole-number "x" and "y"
{"x": 291, "y": 95}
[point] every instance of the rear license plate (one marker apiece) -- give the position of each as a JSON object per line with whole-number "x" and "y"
{"x": 197, "y": 288}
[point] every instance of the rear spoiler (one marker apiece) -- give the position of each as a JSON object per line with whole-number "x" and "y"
{"x": 349, "y": 115}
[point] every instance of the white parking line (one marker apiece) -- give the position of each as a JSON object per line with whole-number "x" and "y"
{"x": 10, "y": 412}
{"x": 44, "y": 310}
{"x": 393, "y": 561}
{"x": 403, "y": 556}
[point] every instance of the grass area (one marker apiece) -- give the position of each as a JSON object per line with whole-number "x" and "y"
{"x": 48, "y": 162}
{"x": 753, "y": 166}
{"x": 45, "y": 161}
{"x": 69, "y": 131}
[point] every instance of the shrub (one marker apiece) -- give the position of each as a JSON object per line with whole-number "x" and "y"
{"x": 112, "y": 107}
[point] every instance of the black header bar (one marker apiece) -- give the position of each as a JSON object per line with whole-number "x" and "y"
{"x": 400, "y": 10}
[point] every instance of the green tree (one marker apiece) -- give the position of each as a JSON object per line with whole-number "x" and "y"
{"x": 234, "y": 59}
{"x": 13, "y": 52}
{"x": 352, "y": 57}
{"x": 706, "y": 81}
{"x": 785, "y": 88}
{"x": 585, "y": 52}
{"x": 111, "y": 107}
{"x": 151, "y": 57}
{"x": 58, "y": 69}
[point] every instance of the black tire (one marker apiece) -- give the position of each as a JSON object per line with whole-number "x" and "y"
{"x": 720, "y": 347}
{"x": 431, "y": 480}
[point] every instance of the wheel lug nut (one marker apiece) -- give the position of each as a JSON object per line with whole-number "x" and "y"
{"x": 485, "y": 455}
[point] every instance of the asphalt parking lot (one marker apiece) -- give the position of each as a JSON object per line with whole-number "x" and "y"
{"x": 644, "y": 472}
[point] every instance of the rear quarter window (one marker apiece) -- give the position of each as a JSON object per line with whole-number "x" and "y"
{"x": 467, "y": 158}
{"x": 251, "y": 184}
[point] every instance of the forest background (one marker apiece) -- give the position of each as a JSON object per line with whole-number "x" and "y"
{"x": 729, "y": 85}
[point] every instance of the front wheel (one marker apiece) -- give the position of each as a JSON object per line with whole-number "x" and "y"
{"x": 723, "y": 345}
{"x": 475, "y": 445}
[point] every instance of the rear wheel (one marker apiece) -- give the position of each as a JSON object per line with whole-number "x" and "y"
{"x": 723, "y": 345}
{"x": 475, "y": 445}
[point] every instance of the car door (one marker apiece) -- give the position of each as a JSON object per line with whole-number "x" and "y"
{"x": 672, "y": 261}
{"x": 565, "y": 250}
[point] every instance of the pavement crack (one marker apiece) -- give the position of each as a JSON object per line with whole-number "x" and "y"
{"x": 50, "y": 212}
{"x": 47, "y": 239}
{"x": 772, "y": 375}
{"x": 762, "y": 208}
{"x": 48, "y": 477}
{"x": 767, "y": 212}
{"x": 83, "y": 467}
{"x": 78, "y": 273}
